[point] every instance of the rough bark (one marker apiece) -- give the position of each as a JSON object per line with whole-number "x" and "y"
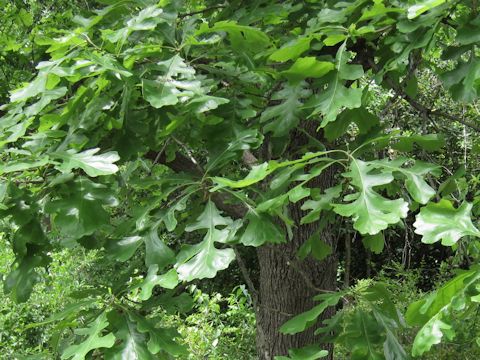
{"x": 287, "y": 286}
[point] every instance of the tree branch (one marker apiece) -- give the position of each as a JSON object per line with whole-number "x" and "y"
{"x": 294, "y": 264}
{"x": 182, "y": 163}
{"x": 181, "y": 16}
{"x": 422, "y": 108}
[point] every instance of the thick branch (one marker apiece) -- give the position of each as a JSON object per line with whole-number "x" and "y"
{"x": 184, "y": 164}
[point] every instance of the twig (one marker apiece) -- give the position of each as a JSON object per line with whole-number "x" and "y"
{"x": 157, "y": 157}
{"x": 294, "y": 264}
{"x": 189, "y": 153}
{"x": 246, "y": 276}
{"x": 181, "y": 16}
{"x": 348, "y": 259}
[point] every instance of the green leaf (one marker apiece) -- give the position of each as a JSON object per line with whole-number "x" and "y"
{"x": 22, "y": 165}
{"x": 392, "y": 348}
{"x": 272, "y": 204}
{"x": 319, "y": 203}
{"x": 363, "y": 336}
{"x": 430, "y": 334}
{"x": 462, "y": 81}
{"x": 108, "y": 63}
{"x": 433, "y": 312}
{"x": 176, "y": 82}
{"x": 124, "y": 249}
{"x": 256, "y": 174}
{"x": 159, "y": 338}
{"x": 332, "y": 101}
{"x": 315, "y": 246}
{"x": 167, "y": 216}
{"x": 168, "y": 280}
{"x": 307, "y": 67}
{"x": 298, "y": 193}
{"x": 34, "y": 88}
{"x": 374, "y": 243}
{"x": 468, "y": 34}
{"x": 204, "y": 260}
{"x": 26, "y": 17}
{"x": 429, "y": 142}
{"x": 261, "y": 230}
{"x": 377, "y": 10}
{"x": 22, "y": 279}
{"x": 93, "y": 339}
{"x": 305, "y": 320}
{"x": 291, "y": 50}
{"x": 93, "y": 165}
{"x": 79, "y": 210}
{"x": 133, "y": 344}
{"x": 442, "y": 222}
{"x": 261, "y": 171}
{"x": 203, "y": 103}
{"x": 420, "y": 7}
{"x": 146, "y": 19}
{"x": 243, "y": 140}
{"x": 242, "y": 38}
{"x": 419, "y": 312}
{"x": 156, "y": 251}
{"x": 68, "y": 310}
{"x": 159, "y": 94}
{"x": 360, "y": 116}
{"x": 371, "y": 212}
{"x": 286, "y": 115}
{"x": 3, "y": 194}
{"x": 415, "y": 183}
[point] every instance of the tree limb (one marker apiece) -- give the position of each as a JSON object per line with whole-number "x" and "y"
{"x": 422, "y": 109}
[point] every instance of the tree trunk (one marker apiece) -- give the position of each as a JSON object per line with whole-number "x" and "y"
{"x": 288, "y": 285}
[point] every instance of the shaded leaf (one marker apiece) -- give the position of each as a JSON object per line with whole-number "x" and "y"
{"x": 303, "y": 321}
{"x": 159, "y": 338}
{"x": 374, "y": 243}
{"x": 80, "y": 209}
{"x": 429, "y": 142}
{"x": 242, "y": 38}
{"x": 93, "y": 339}
{"x": 21, "y": 280}
{"x": 261, "y": 230}
{"x": 133, "y": 344}
{"x": 285, "y": 116}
